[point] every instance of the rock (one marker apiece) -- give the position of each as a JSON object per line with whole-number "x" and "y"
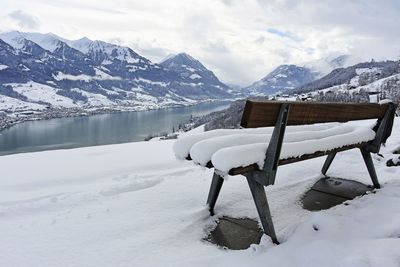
{"x": 393, "y": 162}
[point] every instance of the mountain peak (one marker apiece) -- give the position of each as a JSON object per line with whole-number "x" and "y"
{"x": 284, "y": 77}
{"x": 48, "y": 41}
{"x": 182, "y": 60}
{"x": 185, "y": 56}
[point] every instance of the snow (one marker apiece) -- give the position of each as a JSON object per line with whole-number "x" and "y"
{"x": 385, "y": 101}
{"x": 202, "y": 151}
{"x": 376, "y": 86}
{"x": 81, "y": 44}
{"x": 3, "y": 67}
{"x": 13, "y": 104}
{"x": 245, "y": 155}
{"x": 40, "y": 92}
{"x": 100, "y": 75}
{"x": 134, "y": 204}
{"x": 106, "y": 62}
{"x": 163, "y": 84}
{"x": 185, "y": 142}
{"x": 360, "y": 71}
{"x": 81, "y": 77}
{"x": 94, "y": 99}
{"x": 48, "y": 41}
{"x": 194, "y": 76}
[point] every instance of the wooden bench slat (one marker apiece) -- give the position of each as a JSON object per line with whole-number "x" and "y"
{"x": 264, "y": 113}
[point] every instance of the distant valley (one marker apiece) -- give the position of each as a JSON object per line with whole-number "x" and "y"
{"x": 46, "y": 76}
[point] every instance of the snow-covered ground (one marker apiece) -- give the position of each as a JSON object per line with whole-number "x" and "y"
{"x": 40, "y": 92}
{"x": 134, "y": 204}
{"x": 13, "y": 104}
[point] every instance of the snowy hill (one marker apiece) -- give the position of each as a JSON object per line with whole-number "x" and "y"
{"x": 288, "y": 77}
{"x": 356, "y": 75}
{"x": 360, "y": 91}
{"x": 134, "y": 204}
{"x": 97, "y": 73}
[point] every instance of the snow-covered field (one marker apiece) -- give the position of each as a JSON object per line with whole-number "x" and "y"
{"x": 40, "y": 92}
{"x": 134, "y": 204}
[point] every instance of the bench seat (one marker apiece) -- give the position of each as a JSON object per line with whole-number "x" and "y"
{"x": 303, "y": 143}
{"x": 225, "y": 150}
{"x": 182, "y": 148}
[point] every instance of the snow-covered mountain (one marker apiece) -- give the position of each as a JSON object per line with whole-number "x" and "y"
{"x": 357, "y": 75}
{"x": 192, "y": 71}
{"x": 369, "y": 81}
{"x": 284, "y": 77}
{"x": 288, "y": 77}
{"x": 97, "y": 73}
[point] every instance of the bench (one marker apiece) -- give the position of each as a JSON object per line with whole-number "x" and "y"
{"x": 257, "y": 153}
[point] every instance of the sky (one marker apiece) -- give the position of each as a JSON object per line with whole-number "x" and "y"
{"x": 239, "y": 40}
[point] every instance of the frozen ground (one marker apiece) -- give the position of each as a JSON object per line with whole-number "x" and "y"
{"x": 136, "y": 205}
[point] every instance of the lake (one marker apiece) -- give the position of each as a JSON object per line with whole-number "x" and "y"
{"x": 112, "y": 128}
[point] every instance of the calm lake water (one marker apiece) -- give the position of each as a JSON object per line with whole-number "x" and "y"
{"x": 95, "y": 130}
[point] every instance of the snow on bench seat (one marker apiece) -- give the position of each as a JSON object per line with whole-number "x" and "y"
{"x": 182, "y": 147}
{"x": 231, "y": 157}
{"x": 202, "y": 151}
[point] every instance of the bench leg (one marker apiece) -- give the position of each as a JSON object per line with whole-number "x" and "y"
{"x": 215, "y": 188}
{"x": 260, "y": 199}
{"x": 370, "y": 166}
{"x": 328, "y": 162}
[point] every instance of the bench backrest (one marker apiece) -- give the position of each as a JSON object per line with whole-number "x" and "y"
{"x": 265, "y": 113}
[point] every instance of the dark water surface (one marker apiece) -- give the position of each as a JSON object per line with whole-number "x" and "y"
{"x": 95, "y": 130}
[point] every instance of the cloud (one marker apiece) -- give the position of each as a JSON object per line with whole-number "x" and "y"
{"x": 24, "y": 20}
{"x": 286, "y": 34}
{"x": 240, "y": 40}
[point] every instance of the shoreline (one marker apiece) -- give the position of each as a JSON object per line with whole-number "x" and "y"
{"x": 57, "y": 113}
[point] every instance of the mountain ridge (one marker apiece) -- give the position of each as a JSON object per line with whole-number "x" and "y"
{"x": 115, "y": 74}
{"x": 287, "y": 77}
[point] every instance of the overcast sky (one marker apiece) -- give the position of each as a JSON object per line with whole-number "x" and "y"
{"x": 240, "y": 40}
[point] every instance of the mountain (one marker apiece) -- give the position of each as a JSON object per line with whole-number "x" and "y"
{"x": 191, "y": 71}
{"x": 325, "y": 65}
{"x": 289, "y": 77}
{"x": 284, "y": 77}
{"x": 96, "y": 73}
{"x": 363, "y": 82}
{"x": 353, "y": 76}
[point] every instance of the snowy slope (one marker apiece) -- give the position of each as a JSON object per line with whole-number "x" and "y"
{"x": 48, "y": 41}
{"x": 36, "y": 92}
{"x": 356, "y": 75}
{"x": 385, "y": 88}
{"x": 13, "y": 104}
{"x": 136, "y": 205}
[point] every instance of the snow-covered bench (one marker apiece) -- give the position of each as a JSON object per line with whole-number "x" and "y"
{"x": 301, "y": 130}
